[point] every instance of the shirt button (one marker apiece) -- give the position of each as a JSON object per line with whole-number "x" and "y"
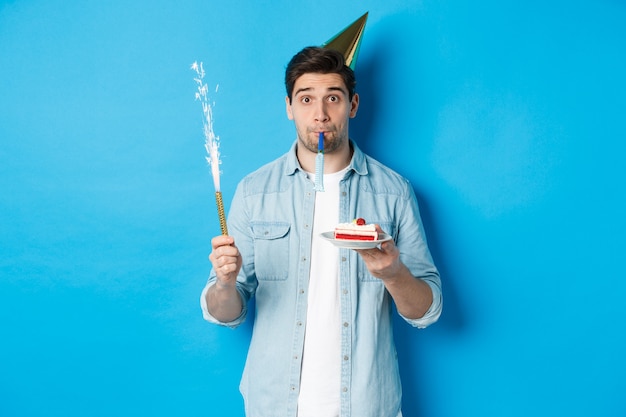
{"x": 299, "y": 323}
{"x": 343, "y": 259}
{"x": 346, "y": 357}
{"x": 345, "y": 291}
{"x": 345, "y": 324}
{"x": 343, "y": 193}
{"x": 345, "y": 389}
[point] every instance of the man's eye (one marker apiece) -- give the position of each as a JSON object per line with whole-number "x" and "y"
{"x": 333, "y": 99}
{"x": 306, "y": 99}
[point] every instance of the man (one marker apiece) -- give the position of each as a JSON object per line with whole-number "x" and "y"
{"x": 322, "y": 342}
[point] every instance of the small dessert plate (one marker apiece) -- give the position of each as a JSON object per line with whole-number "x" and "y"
{"x": 355, "y": 244}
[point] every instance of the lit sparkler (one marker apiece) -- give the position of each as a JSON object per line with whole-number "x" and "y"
{"x": 211, "y": 143}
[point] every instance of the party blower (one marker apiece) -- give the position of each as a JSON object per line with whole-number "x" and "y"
{"x": 319, "y": 164}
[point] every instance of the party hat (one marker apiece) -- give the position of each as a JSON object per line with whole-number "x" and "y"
{"x": 348, "y": 41}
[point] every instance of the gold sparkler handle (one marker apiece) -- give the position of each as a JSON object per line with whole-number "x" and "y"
{"x": 220, "y": 212}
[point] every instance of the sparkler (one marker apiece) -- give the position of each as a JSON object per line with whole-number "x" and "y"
{"x": 211, "y": 141}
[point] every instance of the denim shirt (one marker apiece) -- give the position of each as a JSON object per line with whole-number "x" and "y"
{"x": 271, "y": 220}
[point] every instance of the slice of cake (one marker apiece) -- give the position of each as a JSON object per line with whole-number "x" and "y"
{"x": 356, "y": 230}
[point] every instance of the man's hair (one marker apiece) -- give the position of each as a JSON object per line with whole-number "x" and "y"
{"x": 313, "y": 59}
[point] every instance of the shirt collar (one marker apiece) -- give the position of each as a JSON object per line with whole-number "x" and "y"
{"x": 357, "y": 164}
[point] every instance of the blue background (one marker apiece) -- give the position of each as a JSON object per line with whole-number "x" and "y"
{"x": 508, "y": 118}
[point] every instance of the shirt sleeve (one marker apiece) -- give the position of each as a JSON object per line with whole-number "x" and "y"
{"x": 415, "y": 254}
{"x": 433, "y": 313}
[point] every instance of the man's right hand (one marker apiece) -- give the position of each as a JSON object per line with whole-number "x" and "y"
{"x": 226, "y": 260}
{"x": 223, "y": 300}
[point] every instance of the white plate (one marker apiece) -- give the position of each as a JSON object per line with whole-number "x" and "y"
{"x": 355, "y": 244}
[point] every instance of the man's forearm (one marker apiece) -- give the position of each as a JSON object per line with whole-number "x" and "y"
{"x": 412, "y": 296}
{"x": 224, "y": 302}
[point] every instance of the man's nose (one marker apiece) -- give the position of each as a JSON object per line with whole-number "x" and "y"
{"x": 321, "y": 115}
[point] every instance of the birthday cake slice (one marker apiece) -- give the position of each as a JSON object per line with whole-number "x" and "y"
{"x": 356, "y": 230}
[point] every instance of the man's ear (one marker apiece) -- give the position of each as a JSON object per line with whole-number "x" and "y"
{"x": 288, "y": 108}
{"x": 354, "y": 105}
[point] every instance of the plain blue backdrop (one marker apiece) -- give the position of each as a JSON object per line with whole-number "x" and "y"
{"x": 507, "y": 117}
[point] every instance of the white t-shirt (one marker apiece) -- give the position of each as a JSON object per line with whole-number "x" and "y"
{"x": 321, "y": 360}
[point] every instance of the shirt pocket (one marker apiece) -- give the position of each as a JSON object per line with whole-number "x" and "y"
{"x": 362, "y": 272}
{"x": 271, "y": 250}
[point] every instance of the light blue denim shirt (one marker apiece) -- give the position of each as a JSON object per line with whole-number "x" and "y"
{"x": 271, "y": 220}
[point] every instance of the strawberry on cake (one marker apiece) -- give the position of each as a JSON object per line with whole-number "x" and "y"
{"x": 356, "y": 230}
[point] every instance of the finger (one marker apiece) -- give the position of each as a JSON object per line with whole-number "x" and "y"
{"x": 227, "y": 260}
{"x": 223, "y": 256}
{"x": 227, "y": 269}
{"x": 387, "y": 246}
{"x": 227, "y": 252}
{"x": 220, "y": 241}
{"x": 368, "y": 253}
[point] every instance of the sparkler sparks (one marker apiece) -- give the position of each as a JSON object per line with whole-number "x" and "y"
{"x": 212, "y": 142}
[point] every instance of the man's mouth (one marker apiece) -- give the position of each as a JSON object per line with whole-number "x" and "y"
{"x": 318, "y": 131}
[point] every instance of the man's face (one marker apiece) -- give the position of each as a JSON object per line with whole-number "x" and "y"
{"x": 320, "y": 103}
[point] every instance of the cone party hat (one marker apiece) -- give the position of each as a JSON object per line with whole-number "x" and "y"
{"x": 348, "y": 41}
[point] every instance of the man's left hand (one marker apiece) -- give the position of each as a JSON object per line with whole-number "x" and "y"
{"x": 383, "y": 261}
